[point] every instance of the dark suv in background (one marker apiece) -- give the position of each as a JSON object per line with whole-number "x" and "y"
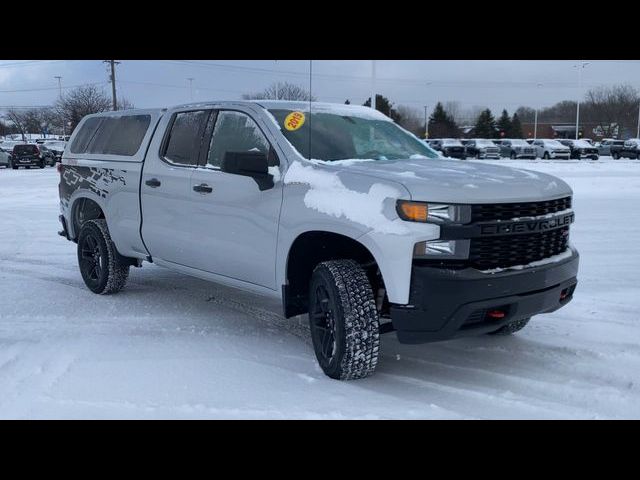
{"x": 631, "y": 149}
{"x": 26, "y": 155}
{"x": 611, "y": 148}
{"x": 581, "y": 149}
{"x": 449, "y": 147}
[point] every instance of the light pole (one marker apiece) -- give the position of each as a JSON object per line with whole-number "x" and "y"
{"x": 426, "y": 123}
{"x": 191, "y": 87}
{"x": 638, "y": 134}
{"x": 535, "y": 122}
{"x": 64, "y": 130}
{"x": 580, "y": 67}
{"x": 373, "y": 84}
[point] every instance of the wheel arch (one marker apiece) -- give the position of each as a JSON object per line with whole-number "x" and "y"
{"x": 83, "y": 208}
{"x": 309, "y": 249}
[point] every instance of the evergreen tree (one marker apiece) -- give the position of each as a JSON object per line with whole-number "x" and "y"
{"x": 441, "y": 124}
{"x": 504, "y": 126}
{"x": 486, "y": 125}
{"x": 516, "y": 127}
{"x": 384, "y": 105}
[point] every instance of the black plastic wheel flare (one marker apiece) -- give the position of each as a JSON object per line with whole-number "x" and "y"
{"x": 91, "y": 263}
{"x": 324, "y": 324}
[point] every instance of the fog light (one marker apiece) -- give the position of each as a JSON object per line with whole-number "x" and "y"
{"x": 435, "y": 247}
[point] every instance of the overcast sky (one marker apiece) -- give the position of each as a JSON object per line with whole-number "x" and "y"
{"x": 159, "y": 83}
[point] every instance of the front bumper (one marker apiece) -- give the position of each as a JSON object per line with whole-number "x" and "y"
{"x": 446, "y": 303}
{"x": 562, "y": 155}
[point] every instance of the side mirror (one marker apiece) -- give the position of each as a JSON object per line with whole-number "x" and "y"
{"x": 249, "y": 164}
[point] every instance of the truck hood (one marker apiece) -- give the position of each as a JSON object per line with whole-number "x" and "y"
{"x": 458, "y": 181}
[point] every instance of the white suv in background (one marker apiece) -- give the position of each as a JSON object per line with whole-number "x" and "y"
{"x": 547, "y": 148}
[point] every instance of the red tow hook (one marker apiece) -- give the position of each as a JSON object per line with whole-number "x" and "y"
{"x": 496, "y": 314}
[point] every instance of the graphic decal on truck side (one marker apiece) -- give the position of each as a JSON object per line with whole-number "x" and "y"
{"x": 97, "y": 180}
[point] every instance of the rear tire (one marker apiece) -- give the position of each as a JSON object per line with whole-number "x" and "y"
{"x": 100, "y": 266}
{"x": 343, "y": 318}
{"x": 546, "y": 156}
{"x": 512, "y": 327}
{"x": 616, "y": 156}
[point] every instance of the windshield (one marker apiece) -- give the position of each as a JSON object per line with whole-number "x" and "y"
{"x": 486, "y": 143}
{"x": 519, "y": 143}
{"x": 452, "y": 142}
{"x": 336, "y": 136}
{"x": 582, "y": 144}
{"x": 554, "y": 143}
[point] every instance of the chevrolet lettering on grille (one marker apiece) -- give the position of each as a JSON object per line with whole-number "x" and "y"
{"x": 532, "y": 226}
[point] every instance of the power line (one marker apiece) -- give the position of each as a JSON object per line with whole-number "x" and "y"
{"x": 42, "y": 89}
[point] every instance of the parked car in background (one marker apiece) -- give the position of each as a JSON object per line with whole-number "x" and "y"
{"x": 610, "y": 148}
{"x": 56, "y": 147}
{"x": 581, "y": 149}
{"x": 631, "y": 149}
{"x": 530, "y": 140}
{"x": 26, "y": 155}
{"x": 7, "y": 146}
{"x": 449, "y": 147}
{"x": 4, "y": 159}
{"x": 47, "y": 155}
{"x": 481, "y": 148}
{"x": 549, "y": 148}
{"x": 516, "y": 148}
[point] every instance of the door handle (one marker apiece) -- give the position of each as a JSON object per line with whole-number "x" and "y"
{"x": 203, "y": 188}
{"x": 153, "y": 183}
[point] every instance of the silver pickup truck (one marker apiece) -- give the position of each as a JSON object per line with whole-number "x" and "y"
{"x": 333, "y": 210}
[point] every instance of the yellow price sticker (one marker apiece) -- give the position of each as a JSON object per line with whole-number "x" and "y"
{"x": 294, "y": 121}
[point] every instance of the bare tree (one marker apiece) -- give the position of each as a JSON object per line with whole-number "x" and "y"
{"x": 454, "y": 110}
{"x": 613, "y": 109}
{"x": 281, "y": 91}
{"x": 411, "y": 119}
{"x": 81, "y": 101}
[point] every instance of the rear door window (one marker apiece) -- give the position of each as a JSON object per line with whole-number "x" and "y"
{"x": 86, "y": 133}
{"x": 183, "y": 143}
{"x": 120, "y": 135}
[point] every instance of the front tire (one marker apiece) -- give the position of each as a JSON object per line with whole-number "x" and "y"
{"x": 616, "y": 156}
{"x": 546, "y": 156}
{"x": 512, "y": 327}
{"x": 101, "y": 269}
{"x": 344, "y": 323}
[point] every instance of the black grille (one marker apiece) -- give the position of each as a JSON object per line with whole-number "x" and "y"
{"x": 509, "y": 250}
{"x": 507, "y": 211}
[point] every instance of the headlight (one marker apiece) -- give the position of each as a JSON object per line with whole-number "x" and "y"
{"x": 425, "y": 212}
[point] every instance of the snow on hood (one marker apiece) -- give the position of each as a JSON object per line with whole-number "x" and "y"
{"x": 457, "y": 181}
{"x": 327, "y": 194}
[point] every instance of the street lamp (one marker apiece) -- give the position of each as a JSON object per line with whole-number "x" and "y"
{"x": 191, "y": 87}
{"x": 64, "y": 130}
{"x": 426, "y": 119}
{"x": 535, "y": 122}
{"x": 580, "y": 67}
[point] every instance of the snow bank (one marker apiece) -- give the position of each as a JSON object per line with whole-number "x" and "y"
{"x": 327, "y": 194}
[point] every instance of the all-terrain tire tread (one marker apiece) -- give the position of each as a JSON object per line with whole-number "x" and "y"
{"x": 361, "y": 322}
{"x": 118, "y": 273}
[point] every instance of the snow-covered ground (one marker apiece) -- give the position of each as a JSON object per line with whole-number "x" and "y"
{"x": 170, "y": 346}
